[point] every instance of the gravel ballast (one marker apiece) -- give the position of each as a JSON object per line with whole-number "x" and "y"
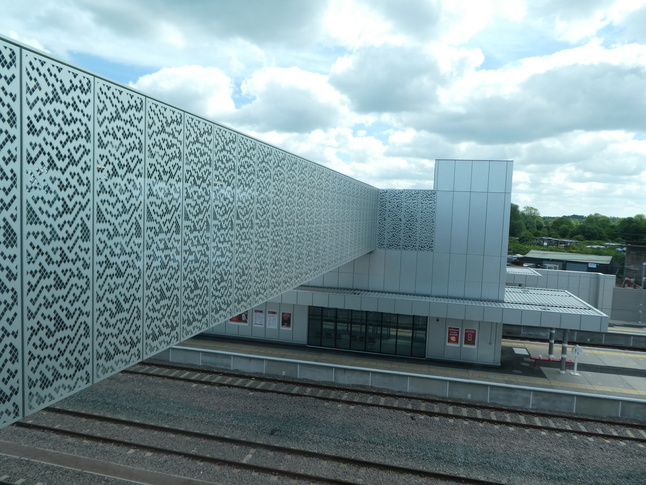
{"x": 497, "y": 453}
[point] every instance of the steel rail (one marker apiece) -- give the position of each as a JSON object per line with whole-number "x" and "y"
{"x": 248, "y": 381}
{"x": 359, "y": 463}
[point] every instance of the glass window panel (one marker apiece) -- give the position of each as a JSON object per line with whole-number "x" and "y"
{"x": 328, "y": 335}
{"x": 373, "y": 332}
{"x": 358, "y": 339}
{"x": 419, "y": 337}
{"x": 343, "y": 335}
{"x": 329, "y": 313}
{"x": 344, "y": 316}
{"x": 404, "y": 335}
{"x": 389, "y": 333}
{"x": 314, "y": 331}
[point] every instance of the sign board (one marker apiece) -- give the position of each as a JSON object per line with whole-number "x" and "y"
{"x": 453, "y": 336}
{"x": 578, "y": 351}
{"x": 272, "y": 319}
{"x": 258, "y": 318}
{"x": 470, "y": 335}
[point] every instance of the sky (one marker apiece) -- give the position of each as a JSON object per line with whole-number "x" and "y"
{"x": 379, "y": 89}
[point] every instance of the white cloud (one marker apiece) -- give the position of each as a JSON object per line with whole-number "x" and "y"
{"x": 387, "y": 79}
{"x": 205, "y": 91}
{"x": 289, "y": 100}
{"x": 378, "y": 89}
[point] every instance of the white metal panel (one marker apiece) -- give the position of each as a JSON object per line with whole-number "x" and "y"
{"x": 11, "y": 350}
{"x": 392, "y": 270}
{"x": 455, "y": 310}
{"x": 57, "y": 158}
{"x": 444, "y": 175}
{"x": 440, "y": 274}
{"x": 495, "y": 225}
{"x": 197, "y": 215}
{"x": 463, "y": 175}
{"x": 472, "y": 312}
{"x": 408, "y": 273}
{"x": 443, "y": 222}
{"x": 480, "y": 176}
{"x": 404, "y": 307}
{"x": 460, "y": 222}
{"x": 423, "y": 277}
{"x": 118, "y": 235}
{"x": 163, "y": 226}
{"x": 498, "y": 177}
{"x": 477, "y": 223}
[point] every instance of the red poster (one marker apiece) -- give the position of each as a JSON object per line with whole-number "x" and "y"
{"x": 470, "y": 337}
{"x": 286, "y": 321}
{"x": 241, "y": 319}
{"x": 453, "y": 336}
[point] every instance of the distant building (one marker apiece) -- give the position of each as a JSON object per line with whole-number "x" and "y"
{"x": 570, "y": 261}
{"x": 552, "y": 241}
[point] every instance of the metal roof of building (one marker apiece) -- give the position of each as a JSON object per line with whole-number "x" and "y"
{"x": 521, "y": 270}
{"x": 535, "y": 299}
{"x": 574, "y": 257}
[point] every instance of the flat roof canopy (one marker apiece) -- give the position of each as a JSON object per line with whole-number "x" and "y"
{"x": 533, "y": 307}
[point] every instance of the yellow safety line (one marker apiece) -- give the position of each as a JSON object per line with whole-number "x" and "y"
{"x": 625, "y": 330}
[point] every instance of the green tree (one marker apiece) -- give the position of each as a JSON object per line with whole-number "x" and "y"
{"x": 561, "y": 227}
{"x": 632, "y": 228}
{"x": 532, "y": 220}
{"x": 526, "y": 237}
{"x": 589, "y": 232}
{"x": 516, "y": 224}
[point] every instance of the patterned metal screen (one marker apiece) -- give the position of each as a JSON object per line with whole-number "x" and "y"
{"x": 129, "y": 225}
{"x": 406, "y": 220}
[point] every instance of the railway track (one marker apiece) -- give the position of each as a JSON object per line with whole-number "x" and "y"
{"x": 588, "y": 427}
{"x": 251, "y": 456}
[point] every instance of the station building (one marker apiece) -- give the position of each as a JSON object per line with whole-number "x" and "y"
{"x": 130, "y": 225}
{"x": 436, "y": 286}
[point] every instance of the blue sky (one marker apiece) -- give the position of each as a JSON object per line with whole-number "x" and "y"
{"x": 378, "y": 89}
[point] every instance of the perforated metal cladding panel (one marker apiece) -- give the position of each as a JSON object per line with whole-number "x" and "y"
{"x": 262, "y": 224}
{"x": 164, "y": 151}
{"x": 406, "y": 219}
{"x": 290, "y": 271}
{"x": 118, "y": 228}
{"x": 279, "y": 247}
{"x": 196, "y": 231}
{"x": 223, "y": 232}
{"x": 57, "y": 228}
{"x": 141, "y": 225}
{"x": 10, "y": 322}
{"x": 244, "y": 223}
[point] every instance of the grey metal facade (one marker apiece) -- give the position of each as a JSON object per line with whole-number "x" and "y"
{"x": 130, "y": 225}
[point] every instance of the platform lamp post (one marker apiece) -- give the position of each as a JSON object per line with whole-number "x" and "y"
{"x": 566, "y": 335}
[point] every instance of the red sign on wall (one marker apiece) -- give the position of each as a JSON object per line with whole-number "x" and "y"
{"x": 470, "y": 337}
{"x": 453, "y": 337}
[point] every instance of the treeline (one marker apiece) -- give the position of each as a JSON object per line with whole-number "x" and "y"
{"x": 527, "y": 224}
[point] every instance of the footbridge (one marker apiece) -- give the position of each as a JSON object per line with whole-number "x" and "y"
{"x": 129, "y": 225}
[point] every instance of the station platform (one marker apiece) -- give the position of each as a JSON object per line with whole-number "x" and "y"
{"x": 602, "y": 372}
